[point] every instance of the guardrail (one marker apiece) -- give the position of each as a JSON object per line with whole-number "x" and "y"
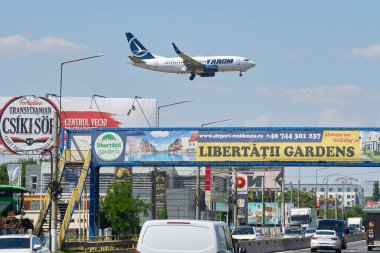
{"x": 283, "y": 244}
{"x": 106, "y": 244}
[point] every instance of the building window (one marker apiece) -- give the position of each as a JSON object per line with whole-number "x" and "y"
{"x": 339, "y": 189}
{"x": 348, "y": 196}
{"x": 330, "y": 196}
{"x": 356, "y": 190}
{"x": 304, "y": 189}
{"x": 33, "y": 182}
{"x": 330, "y": 189}
{"x": 321, "y": 196}
{"x": 339, "y": 196}
{"x": 322, "y": 189}
{"x": 348, "y": 189}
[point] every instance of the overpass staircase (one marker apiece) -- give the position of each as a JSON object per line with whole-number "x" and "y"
{"x": 68, "y": 160}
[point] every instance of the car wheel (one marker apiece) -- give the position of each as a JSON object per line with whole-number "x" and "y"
{"x": 313, "y": 250}
{"x": 338, "y": 251}
{"x": 369, "y": 248}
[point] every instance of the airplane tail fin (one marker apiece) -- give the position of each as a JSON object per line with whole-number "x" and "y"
{"x": 138, "y": 50}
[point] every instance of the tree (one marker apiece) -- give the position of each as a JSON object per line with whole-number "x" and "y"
{"x": 375, "y": 193}
{"x": 121, "y": 210}
{"x": 4, "y": 179}
{"x": 163, "y": 213}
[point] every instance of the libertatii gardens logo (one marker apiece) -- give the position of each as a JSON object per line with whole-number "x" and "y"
{"x": 108, "y": 146}
{"x": 26, "y": 125}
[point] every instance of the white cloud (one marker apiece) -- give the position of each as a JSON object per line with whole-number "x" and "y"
{"x": 262, "y": 120}
{"x": 333, "y": 118}
{"x": 372, "y": 51}
{"x": 17, "y": 45}
{"x": 322, "y": 94}
{"x": 159, "y": 134}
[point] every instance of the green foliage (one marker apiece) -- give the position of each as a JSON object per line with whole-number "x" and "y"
{"x": 163, "y": 213}
{"x": 375, "y": 193}
{"x": 121, "y": 210}
{"x": 355, "y": 211}
{"x": 306, "y": 198}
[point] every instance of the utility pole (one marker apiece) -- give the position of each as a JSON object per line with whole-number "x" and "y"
{"x": 263, "y": 201}
{"x": 198, "y": 195}
{"x": 299, "y": 188}
{"x": 54, "y": 201}
{"x": 336, "y": 206}
{"x": 235, "y": 198}
{"x": 153, "y": 193}
{"x": 283, "y": 204}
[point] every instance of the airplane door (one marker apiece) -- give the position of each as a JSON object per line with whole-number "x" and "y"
{"x": 238, "y": 61}
{"x": 155, "y": 64}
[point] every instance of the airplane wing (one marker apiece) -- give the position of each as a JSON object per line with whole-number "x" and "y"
{"x": 189, "y": 62}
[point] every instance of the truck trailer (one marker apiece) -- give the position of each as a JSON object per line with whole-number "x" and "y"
{"x": 373, "y": 232}
{"x": 306, "y": 216}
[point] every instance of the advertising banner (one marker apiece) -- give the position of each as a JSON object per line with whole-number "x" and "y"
{"x": 108, "y": 146}
{"x": 279, "y": 145}
{"x": 26, "y": 122}
{"x": 272, "y": 213}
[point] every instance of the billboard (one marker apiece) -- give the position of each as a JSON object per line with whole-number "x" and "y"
{"x": 26, "y": 122}
{"x": 272, "y": 213}
{"x": 247, "y": 145}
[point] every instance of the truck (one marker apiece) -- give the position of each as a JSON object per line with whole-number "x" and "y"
{"x": 306, "y": 216}
{"x": 356, "y": 222}
{"x": 373, "y": 232}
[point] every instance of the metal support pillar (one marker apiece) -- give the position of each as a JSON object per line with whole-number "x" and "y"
{"x": 153, "y": 196}
{"x": 198, "y": 195}
{"x": 94, "y": 201}
{"x": 235, "y": 198}
{"x": 54, "y": 200}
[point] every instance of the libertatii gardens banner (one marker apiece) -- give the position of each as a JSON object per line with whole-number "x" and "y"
{"x": 26, "y": 122}
{"x": 278, "y": 145}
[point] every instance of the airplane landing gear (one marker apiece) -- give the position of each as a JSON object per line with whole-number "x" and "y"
{"x": 192, "y": 76}
{"x": 240, "y": 74}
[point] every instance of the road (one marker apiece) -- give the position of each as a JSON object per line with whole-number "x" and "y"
{"x": 359, "y": 246}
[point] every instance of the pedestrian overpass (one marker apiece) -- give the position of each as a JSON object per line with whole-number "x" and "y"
{"x": 232, "y": 146}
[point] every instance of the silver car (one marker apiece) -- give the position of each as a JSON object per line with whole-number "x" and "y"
{"x": 325, "y": 240}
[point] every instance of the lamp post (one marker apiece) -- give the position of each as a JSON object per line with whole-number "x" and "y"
{"x": 54, "y": 206}
{"x": 316, "y": 184}
{"x": 162, "y": 106}
{"x": 214, "y": 122}
{"x": 327, "y": 192}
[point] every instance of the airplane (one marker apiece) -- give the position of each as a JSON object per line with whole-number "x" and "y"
{"x": 205, "y": 66}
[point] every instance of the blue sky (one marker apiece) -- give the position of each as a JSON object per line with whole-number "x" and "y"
{"x": 317, "y": 62}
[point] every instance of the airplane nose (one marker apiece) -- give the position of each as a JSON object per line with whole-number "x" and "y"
{"x": 252, "y": 64}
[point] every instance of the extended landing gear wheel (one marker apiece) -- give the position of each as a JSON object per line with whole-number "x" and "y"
{"x": 240, "y": 74}
{"x": 192, "y": 76}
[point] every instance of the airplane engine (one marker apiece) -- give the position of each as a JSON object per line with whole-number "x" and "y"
{"x": 207, "y": 74}
{"x": 210, "y": 68}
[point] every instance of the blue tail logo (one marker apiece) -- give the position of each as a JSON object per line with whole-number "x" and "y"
{"x": 138, "y": 50}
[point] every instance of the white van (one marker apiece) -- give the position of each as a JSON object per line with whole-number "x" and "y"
{"x": 184, "y": 236}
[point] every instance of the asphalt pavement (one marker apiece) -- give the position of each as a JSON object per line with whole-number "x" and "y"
{"x": 359, "y": 246}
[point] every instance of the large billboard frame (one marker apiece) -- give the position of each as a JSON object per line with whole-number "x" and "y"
{"x": 70, "y": 133}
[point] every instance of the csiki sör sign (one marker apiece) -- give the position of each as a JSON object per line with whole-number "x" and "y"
{"x": 26, "y": 125}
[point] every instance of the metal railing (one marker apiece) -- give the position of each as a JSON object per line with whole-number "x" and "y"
{"x": 46, "y": 202}
{"x": 75, "y": 197}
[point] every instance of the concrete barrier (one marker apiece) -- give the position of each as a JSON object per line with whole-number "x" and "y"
{"x": 283, "y": 244}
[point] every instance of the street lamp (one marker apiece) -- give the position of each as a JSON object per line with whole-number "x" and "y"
{"x": 327, "y": 191}
{"x": 177, "y": 103}
{"x": 63, "y": 63}
{"x": 214, "y": 122}
{"x": 316, "y": 184}
{"x": 54, "y": 205}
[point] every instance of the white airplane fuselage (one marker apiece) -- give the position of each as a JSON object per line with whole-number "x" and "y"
{"x": 176, "y": 64}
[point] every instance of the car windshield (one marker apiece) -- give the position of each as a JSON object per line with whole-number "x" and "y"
{"x": 330, "y": 225}
{"x": 310, "y": 230}
{"x": 14, "y": 243}
{"x": 355, "y": 225}
{"x": 293, "y": 231}
{"x": 243, "y": 231}
{"x": 325, "y": 233}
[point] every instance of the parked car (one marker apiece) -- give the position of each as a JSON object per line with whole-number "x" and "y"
{"x": 189, "y": 236}
{"x": 294, "y": 232}
{"x": 244, "y": 233}
{"x": 352, "y": 229}
{"x": 21, "y": 244}
{"x": 309, "y": 232}
{"x": 325, "y": 240}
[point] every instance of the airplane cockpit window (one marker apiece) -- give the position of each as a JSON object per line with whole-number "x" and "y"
{"x": 246, "y": 60}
